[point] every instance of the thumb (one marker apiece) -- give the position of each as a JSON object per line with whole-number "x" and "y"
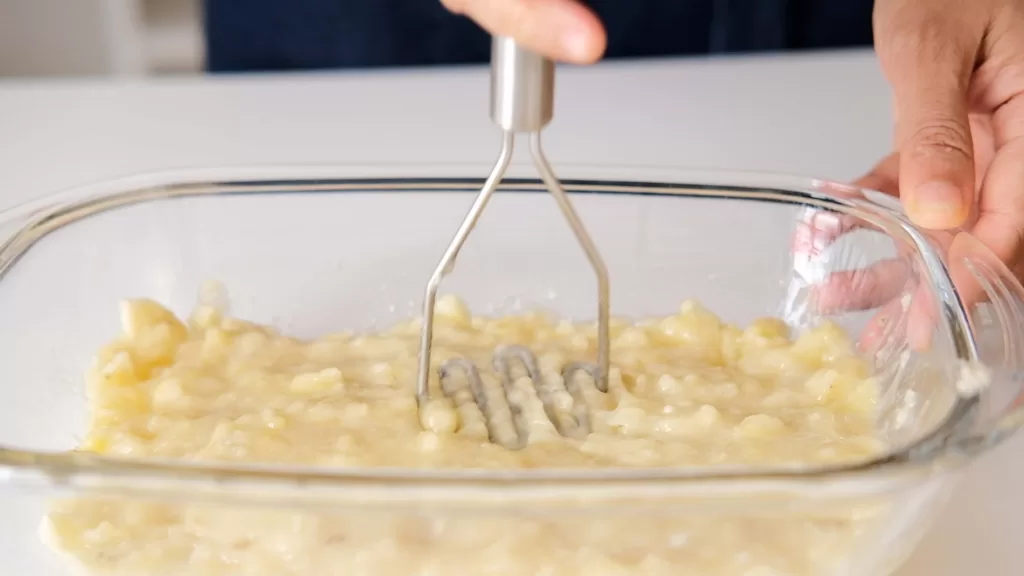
{"x": 928, "y": 52}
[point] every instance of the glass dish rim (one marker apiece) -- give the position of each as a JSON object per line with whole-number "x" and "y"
{"x": 47, "y": 214}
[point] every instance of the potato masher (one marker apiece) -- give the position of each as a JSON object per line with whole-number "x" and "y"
{"x": 522, "y": 102}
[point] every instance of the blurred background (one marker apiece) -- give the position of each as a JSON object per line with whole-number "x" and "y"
{"x": 125, "y": 38}
{"x": 100, "y": 37}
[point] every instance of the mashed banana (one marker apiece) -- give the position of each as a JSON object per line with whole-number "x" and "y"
{"x": 684, "y": 390}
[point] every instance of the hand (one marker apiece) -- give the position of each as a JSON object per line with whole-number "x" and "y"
{"x": 957, "y": 72}
{"x": 563, "y": 30}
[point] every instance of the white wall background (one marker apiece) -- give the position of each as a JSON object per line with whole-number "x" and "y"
{"x": 100, "y": 37}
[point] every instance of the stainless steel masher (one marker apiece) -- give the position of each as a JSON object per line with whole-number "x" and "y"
{"x": 522, "y": 102}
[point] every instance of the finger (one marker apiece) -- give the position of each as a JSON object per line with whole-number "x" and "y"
{"x": 563, "y": 30}
{"x": 928, "y": 50}
{"x": 817, "y": 229}
{"x": 1000, "y": 78}
{"x": 1000, "y": 223}
{"x": 884, "y": 176}
{"x": 862, "y": 289}
{"x": 889, "y": 285}
{"x": 884, "y": 330}
{"x": 908, "y": 319}
{"x": 972, "y": 272}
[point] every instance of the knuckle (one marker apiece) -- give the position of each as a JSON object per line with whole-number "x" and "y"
{"x": 942, "y": 134}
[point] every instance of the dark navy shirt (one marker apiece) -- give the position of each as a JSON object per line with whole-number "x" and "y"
{"x": 266, "y": 35}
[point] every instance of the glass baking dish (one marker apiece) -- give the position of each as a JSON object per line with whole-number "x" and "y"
{"x": 316, "y": 250}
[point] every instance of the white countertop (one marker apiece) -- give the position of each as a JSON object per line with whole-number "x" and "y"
{"x": 819, "y": 115}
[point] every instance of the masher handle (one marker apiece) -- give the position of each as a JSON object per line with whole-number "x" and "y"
{"x": 522, "y": 87}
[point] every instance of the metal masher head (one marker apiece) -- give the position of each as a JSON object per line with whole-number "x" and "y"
{"x": 504, "y": 409}
{"x": 522, "y": 102}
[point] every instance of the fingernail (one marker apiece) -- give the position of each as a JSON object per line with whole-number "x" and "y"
{"x": 936, "y": 205}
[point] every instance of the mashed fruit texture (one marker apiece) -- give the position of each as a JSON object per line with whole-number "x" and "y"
{"x": 684, "y": 390}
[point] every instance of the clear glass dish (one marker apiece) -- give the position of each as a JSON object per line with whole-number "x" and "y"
{"x": 315, "y": 250}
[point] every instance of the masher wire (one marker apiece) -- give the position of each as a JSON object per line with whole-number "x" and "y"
{"x": 447, "y": 262}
